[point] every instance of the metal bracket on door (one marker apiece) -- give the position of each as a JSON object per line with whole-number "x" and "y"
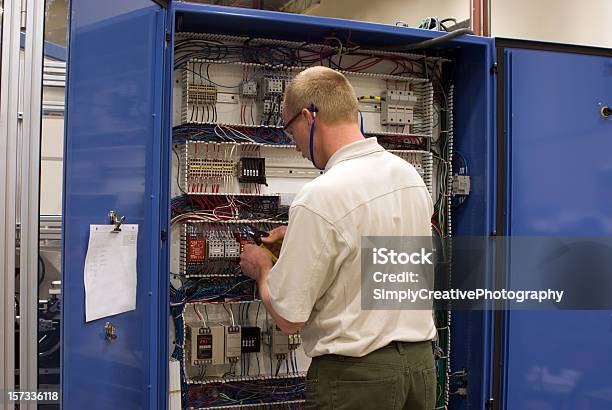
{"x": 113, "y": 220}
{"x": 110, "y": 332}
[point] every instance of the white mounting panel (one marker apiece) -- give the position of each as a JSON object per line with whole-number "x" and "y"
{"x": 245, "y": 314}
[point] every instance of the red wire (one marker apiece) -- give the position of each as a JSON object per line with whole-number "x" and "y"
{"x": 357, "y": 66}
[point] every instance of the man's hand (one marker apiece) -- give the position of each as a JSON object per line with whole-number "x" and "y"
{"x": 276, "y": 234}
{"x": 256, "y": 264}
{"x": 254, "y": 261}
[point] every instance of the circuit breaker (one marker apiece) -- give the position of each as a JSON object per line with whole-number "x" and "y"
{"x": 392, "y": 114}
{"x": 397, "y": 107}
{"x": 233, "y": 343}
{"x": 400, "y": 97}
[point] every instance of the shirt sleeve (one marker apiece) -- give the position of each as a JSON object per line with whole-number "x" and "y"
{"x": 307, "y": 264}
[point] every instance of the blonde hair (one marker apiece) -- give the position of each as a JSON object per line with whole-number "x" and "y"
{"x": 328, "y": 90}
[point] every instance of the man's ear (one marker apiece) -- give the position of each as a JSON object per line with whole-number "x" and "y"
{"x": 307, "y": 116}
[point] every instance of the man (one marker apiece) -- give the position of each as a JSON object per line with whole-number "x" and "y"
{"x": 362, "y": 359}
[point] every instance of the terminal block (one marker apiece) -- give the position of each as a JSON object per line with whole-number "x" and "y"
{"x": 201, "y": 94}
{"x": 295, "y": 340}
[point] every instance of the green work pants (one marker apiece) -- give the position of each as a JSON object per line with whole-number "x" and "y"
{"x": 398, "y": 376}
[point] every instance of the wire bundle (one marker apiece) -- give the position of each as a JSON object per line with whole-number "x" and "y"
{"x": 441, "y": 225}
{"x": 229, "y": 212}
{"x": 212, "y": 290}
{"x": 333, "y": 53}
{"x": 226, "y": 207}
{"x": 249, "y": 392}
{"x": 224, "y": 133}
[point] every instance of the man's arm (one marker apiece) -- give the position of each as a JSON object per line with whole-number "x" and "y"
{"x": 310, "y": 258}
{"x": 256, "y": 263}
{"x": 284, "y": 325}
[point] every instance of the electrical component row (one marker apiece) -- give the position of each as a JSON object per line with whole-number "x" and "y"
{"x": 258, "y": 98}
{"x": 209, "y": 248}
{"x": 244, "y": 168}
{"x": 225, "y": 207}
{"x": 224, "y": 344}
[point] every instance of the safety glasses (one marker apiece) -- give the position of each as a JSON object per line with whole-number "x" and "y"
{"x": 286, "y": 126}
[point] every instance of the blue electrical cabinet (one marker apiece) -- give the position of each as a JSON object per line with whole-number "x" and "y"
{"x": 527, "y": 120}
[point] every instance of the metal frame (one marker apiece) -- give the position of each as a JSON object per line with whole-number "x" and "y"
{"x": 52, "y": 50}
{"x": 163, "y": 311}
{"x": 547, "y": 46}
{"x": 500, "y": 227}
{"x": 160, "y": 217}
{"x": 9, "y": 119}
{"x": 30, "y": 189}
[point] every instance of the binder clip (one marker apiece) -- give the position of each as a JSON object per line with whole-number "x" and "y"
{"x": 112, "y": 215}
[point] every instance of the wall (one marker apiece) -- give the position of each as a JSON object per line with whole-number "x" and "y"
{"x": 586, "y": 22}
{"x": 391, "y": 11}
{"x": 56, "y": 16}
{"x": 51, "y": 165}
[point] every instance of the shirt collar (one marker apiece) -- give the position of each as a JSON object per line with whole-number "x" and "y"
{"x": 354, "y": 150}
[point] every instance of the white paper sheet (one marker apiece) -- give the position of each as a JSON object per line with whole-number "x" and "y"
{"x": 110, "y": 271}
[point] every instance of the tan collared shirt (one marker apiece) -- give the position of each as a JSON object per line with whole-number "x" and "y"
{"x": 365, "y": 191}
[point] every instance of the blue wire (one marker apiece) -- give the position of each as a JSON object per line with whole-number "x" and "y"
{"x": 361, "y": 125}
{"x": 313, "y": 110}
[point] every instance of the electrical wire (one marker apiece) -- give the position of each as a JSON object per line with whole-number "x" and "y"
{"x": 430, "y": 42}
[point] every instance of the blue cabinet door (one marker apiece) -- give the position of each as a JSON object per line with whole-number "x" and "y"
{"x": 112, "y": 162}
{"x": 557, "y": 182}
